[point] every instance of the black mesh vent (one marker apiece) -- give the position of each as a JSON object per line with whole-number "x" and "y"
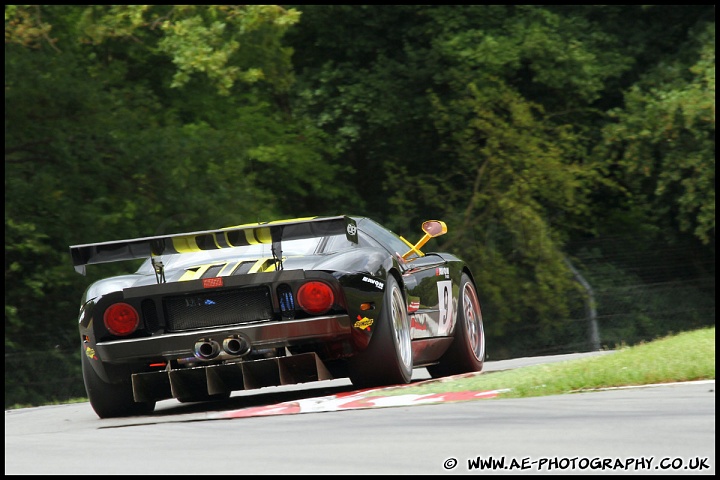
{"x": 243, "y": 268}
{"x": 212, "y": 271}
{"x": 213, "y": 308}
{"x": 149, "y": 313}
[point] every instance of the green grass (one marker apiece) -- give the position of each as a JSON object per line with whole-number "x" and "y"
{"x": 678, "y": 358}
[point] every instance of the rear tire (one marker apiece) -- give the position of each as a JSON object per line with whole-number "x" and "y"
{"x": 388, "y": 358}
{"x": 467, "y": 351}
{"x": 111, "y": 399}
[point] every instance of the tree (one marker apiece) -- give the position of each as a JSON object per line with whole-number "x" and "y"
{"x": 128, "y": 120}
{"x": 472, "y": 114}
{"x": 660, "y": 146}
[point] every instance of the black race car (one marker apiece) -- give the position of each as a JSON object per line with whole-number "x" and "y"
{"x": 269, "y": 304}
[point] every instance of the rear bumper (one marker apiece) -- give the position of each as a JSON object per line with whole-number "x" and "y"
{"x": 260, "y": 335}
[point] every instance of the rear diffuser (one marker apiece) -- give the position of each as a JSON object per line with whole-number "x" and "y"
{"x": 220, "y": 379}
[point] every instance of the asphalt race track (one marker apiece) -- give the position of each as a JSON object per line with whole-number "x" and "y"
{"x": 330, "y": 428}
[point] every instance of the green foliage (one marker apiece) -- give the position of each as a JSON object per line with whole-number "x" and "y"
{"x": 226, "y": 43}
{"x": 116, "y": 128}
{"x": 663, "y": 140}
{"x": 475, "y": 143}
{"x": 500, "y": 110}
{"x": 632, "y": 310}
{"x": 522, "y": 176}
{"x": 40, "y": 379}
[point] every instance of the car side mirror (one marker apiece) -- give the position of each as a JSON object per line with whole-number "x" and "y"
{"x": 432, "y": 229}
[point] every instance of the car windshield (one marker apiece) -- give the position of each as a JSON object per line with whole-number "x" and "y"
{"x": 304, "y": 246}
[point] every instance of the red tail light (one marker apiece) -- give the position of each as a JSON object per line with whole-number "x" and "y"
{"x": 315, "y": 298}
{"x": 121, "y": 319}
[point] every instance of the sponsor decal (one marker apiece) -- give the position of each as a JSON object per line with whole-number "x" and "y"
{"x": 377, "y": 283}
{"x": 198, "y": 301}
{"x": 363, "y": 323}
{"x": 443, "y": 271}
{"x": 445, "y": 306}
{"x": 90, "y": 353}
{"x": 351, "y": 230}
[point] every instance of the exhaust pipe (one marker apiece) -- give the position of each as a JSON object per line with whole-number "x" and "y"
{"x": 236, "y": 345}
{"x": 206, "y": 349}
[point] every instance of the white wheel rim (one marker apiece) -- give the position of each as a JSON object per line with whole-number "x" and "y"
{"x": 473, "y": 322}
{"x": 401, "y": 329}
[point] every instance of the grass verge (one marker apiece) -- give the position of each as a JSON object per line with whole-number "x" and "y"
{"x": 678, "y": 358}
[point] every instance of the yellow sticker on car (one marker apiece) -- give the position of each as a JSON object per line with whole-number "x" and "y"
{"x": 363, "y": 323}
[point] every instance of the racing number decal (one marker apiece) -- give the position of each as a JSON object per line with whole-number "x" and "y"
{"x": 445, "y": 306}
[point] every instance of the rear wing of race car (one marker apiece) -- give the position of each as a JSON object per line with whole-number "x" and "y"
{"x": 270, "y": 233}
